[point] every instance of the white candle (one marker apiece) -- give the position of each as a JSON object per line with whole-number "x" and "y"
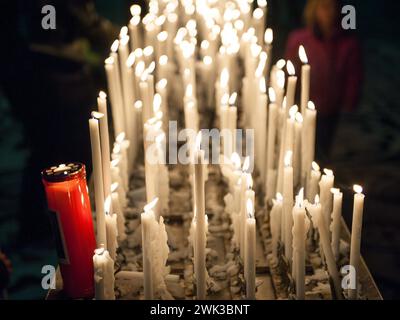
{"x": 271, "y": 145}
{"x": 319, "y": 221}
{"x": 250, "y": 259}
{"x": 118, "y": 82}
{"x": 200, "y": 257}
{"x": 112, "y": 232}
{"x": 134, "y": 34}
{"x": 308, "y": 139}
{"x": 268, "y": 39}
{"x": 356, "y": 227}
{"x": 298, "y": 128}
{"x": 326, "y": 196}
{"x": 147, "y": 220}
{"x": 103, "y": 274}
{"x": 305, "y": 80}
{"x": 116, "y": 205}
{"x": 98, "y": 181}
{"x": 261, "y": 137}
{"x": 275, "y": 224}
{"x": 288, "y": 204}
{"x": 299, "y": 243}
{"x": 336, "y": 221}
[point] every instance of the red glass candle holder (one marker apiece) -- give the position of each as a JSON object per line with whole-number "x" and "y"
{"x": 71, "y": 218}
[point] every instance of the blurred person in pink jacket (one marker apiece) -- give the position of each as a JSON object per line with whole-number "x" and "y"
{"x": 336, "y": 67}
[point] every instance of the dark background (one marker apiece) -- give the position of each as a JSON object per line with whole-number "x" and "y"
{"x": 48, "y": 91}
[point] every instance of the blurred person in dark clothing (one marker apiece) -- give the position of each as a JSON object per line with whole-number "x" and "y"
{"x": 336, "y": 67}
{"x": 51, "y": 79}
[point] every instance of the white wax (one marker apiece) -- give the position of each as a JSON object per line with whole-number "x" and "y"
{"x": 116, "y": 206}
{"x": 98, "y": 182}
{"x": 250, "y": 259}
{"x": 146, "y": 222}
{"x": 287, "y": 210}
{"x": 298, "y": 128}
{"x": 336, "y": 223}
{"x": 115, "y": 106}
{"x": 112, "y": 232}
{"x": 291, "y": 91}
{"x": 103, "y": 275}
{"x": 118, "y": 89}
{"x": 313, "y": 184}
{"x": 308, "y": 145}
{"x": 326, "y": 197}
{"x": 275, "y": 224}
{"x": 305, "y": 87}
{"x": 299, "y": 255}
{"x": 356, "y": 229}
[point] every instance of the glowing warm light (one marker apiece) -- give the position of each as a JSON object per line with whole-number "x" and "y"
{"x": 102, "y": 95}
{"x": 160, "y": 138}
{"x": 156, "y": 102}
{"x": 139, "y": 68}
{"x": 189, "y": 90}
{"x": 311, "y": 105}
{"x": 131, "y": 60}
{"x": 335, "y": 190}
{"x": 138, "y": 52}
{"x": 115, "y": 163}
{"x": 114, "y": 46}
{"x": 162, "y": 84}
{"x": 250, "y": 208}
{"x": 109, "y": 60}
{"x": 107, "y": 205}
{"x": 163, "y": 60}
{"x": 204, "y": 45}
{"x": 138, "y": 104}
{"x": 246, "y": 164}
{"x": 290, "y": 68}
{"x": 207, "y": 60}
{"x": 316, "y": 200}
{"x": 279, "y": 197}
{"x": 224, "y": 77}
{"x": 225, "y": 99}
{"x": 281, "y": 64}
{"x": 328, "y": 172}
{"x": 271, "y": 95}
{"x": 299, "y": 117}
{"x": 288, "y": 158}
{"x": 249, "y": 181}
{"x": 151, "y": 205}
{"x": 148, "y": 51}
{"x": 315, "y": 166}
{"x": 268, "y": 36}
{"x": 135, "y": 10}
{"x": 232, "y": 98}
{"x": 300, "y": 198}
{"x": 120, "y": 138}
{"x": 235, "y": 160}
{"x": 162, "y": 36}
{"x": 255, "y": 50}
{"x": 357, "y": 188}
{"x": 303, "y": 55}
{"x": 261, "y": 3}
{"x": 114, "y": 186}
{"x": 292, "y": 111}
{"x": 258, "y": 14}
{"x": 124, "y": 32}
{"x": 151, "y": 67}
{"x": 97, "y": 115}
{"x": 135, "y": 20}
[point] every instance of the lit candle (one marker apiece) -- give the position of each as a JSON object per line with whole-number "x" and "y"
{"x": 291, "y": 86}
{"x": 319, "y": 221}
{"x": 103, "y": 274}
{"x": 200, "y": 257}
{"x": 275, "y": 223}
{"x": 298, "y": 129}
{"x": 299, "y": 243}
{"x": 305, "y": 80}
{"x": 268, "y": 39}
{"x": 116, "y": 206}
{"x": 356, "y": 228}
{"x": 288, "y": 204}
{"x": 111, "y": 229}
{"x": 98, "y": 181}
{"x": 261, "y": 135}
{"x": 271, "y": 145}
{"x": 326, "y": 196}
{"x": 250, "y": 259}
{"x": 308, "y": 141}
{"x": 336, "y": 222}
{"x": 313, "y": 182}
{"x": 134, "y": 25}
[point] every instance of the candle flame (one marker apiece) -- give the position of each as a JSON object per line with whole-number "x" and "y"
{"x": 109, "y": 61}
{"x": 135, "y": 20}
{"x": 121, "y": 137}
{"x": 303, "y": 55}
{"x": 162, "y": 36}
{"x": 255, "y": 50}
{"x": 97, "y": 115}
{"x": 114, "y": 46}
{"x": 151, "y": 205}
{"x": 249, "y": 181}
{"x": 124, "y": 32}
{"x": 268, "y": 36}
{"x": 232, "y": 98}
{"x": 328, "y": 172}
{"x": 207, "y": 60}
{"x": 246, "y": 164}
{"x": 163, "y": 60}
{"x": 148, "y": 51}
{"x": 115, "y": 163}
{"x": 224, "y": 77}
{"x": 281, "y": 64}
{"x": 139, "y": 68}
{"x": 156, "y": 103}
{"x": 292, "y": 111}
{"x": 262, "y": 3}
{"x": 335, "y": 190}
{"x": 99, "y": 251}
{"x": 114, "y": 186}
{"x": 271, "y": 95}
{"x": 204, "y": 45}
{"x": 135, "y": 10}
{"x": 124, "y": 40}
{"x": 316, "y": 200}
{"x": 315, "y": 166}
{"x": 102, "y": 95}
{"x": 311, "y": 105}
{"x": 288, "y": 158}
{"x": 235, "y": 160}
{"x": 151, "y": 67}
{"x": 138, "y": 52}
{"x": 159, "y": 139}
{"x": 258, "y": 13}
{"x": 299, "y": 117}
{"x": 250, "y": 208}
{"x": 290, "y": 68}
{"x": 357, "y": 188}
{"x": 279, "y": 197}
{"x": 107, "y": 205}
{"x": 131, "y": 60}
{"x": 162, "y": 84}
{"x": 225, "y": 99}
{"x": 189, "y": 91}
{"x": 300, "y": 198}
{"x": 138, "y": 104}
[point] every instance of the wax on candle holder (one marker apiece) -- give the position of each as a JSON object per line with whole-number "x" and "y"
{"x": 71, "y": 217}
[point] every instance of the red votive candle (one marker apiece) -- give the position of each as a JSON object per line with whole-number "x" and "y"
{"x": 71, "y": 219}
